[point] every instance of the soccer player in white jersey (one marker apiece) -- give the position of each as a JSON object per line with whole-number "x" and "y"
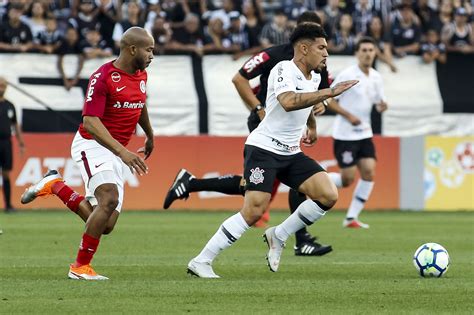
{"x": 352, "y": 132}
{"x": 272, "y": 151}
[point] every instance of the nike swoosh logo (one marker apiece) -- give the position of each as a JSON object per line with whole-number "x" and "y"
{"x": 98, "y": 165}
{"x": 120, "y": 89}
{"x": 299, "y": 89}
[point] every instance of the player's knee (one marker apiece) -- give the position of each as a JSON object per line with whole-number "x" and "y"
{"x": 108, "y": 229}
{"x": 112, "y": 204}
{"x": 107, "y": 198}
{"x": 109, "y": 203}
{"x": 368, "y": 175}
{"x": 329, "y": 197}
{"x": 257, "y": 211}
{"x": 347, "y": 181}
{"x": 254, "y": 211}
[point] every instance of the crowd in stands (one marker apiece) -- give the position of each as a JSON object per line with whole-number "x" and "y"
{"x": 93, "y": 28}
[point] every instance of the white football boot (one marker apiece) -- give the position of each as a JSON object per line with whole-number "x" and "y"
{"x": 201, "y": 269}
{"x": 275, "y": 248}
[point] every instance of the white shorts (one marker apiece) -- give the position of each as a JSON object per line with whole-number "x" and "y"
{"x": 98, "y": 166}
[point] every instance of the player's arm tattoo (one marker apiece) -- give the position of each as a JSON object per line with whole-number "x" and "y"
{"x": 295, "y": 101}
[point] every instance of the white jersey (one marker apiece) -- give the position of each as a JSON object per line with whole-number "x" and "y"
{"x": 280, "y": 131}
{"x": 358, "y": 101}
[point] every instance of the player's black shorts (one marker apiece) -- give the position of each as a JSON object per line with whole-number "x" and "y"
{"x": 6, "y": 154}
{"x": 349, "y": 152}
{"x": 262, "y": 167}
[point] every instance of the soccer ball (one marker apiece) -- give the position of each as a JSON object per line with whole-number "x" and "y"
{"x": 431, "y": 260}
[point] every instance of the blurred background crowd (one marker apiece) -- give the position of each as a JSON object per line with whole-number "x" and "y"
{"x": 92, "y": 28}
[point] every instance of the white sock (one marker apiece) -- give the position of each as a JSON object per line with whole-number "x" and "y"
{"x": 336, "y": 179}
{"x": 306, "y": 213}
{"x": 360, "y": 196}
{"x": 227, "y": 234}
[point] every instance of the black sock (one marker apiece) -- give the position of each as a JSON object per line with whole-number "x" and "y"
{"x": 7, "y": 192}
{"x": 296, "y": 198}
{"x": 227, "y": 184}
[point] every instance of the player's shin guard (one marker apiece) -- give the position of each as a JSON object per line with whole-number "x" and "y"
{"x": 295, "y": 199}
{"x": 360, "y": 196}
{"x": 87, "y": 249}
{"x": 227, "y": 234}
{"x": 70, "y": 198}
{"x": 306, "y": 214}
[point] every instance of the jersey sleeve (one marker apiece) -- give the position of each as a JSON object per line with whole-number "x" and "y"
{"x": 96, "y": 96}
{"x": 255, "y": 66}
{"x": 283, "y": 78}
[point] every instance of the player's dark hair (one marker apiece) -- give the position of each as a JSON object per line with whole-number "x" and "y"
{"x": 309, "y": 16}
{"x": 365, "y": 40}
{"x": 307, "y": 31}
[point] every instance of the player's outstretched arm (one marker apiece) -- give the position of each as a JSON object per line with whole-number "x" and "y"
{"x": 97, "y": 130}
{"x": 294, "y": 101}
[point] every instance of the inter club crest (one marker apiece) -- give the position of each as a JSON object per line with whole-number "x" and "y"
{"x": 115, "y": 76}
{"x": 256, "y": 176}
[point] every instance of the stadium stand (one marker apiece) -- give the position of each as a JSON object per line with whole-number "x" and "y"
{"x": 85, "y": 31}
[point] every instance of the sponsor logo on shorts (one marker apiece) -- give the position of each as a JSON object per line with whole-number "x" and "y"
{"x": 347, "y": 157}
{"x": 256, "y": 176}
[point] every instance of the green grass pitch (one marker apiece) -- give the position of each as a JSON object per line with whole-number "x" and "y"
{"x": 369, "y": 271}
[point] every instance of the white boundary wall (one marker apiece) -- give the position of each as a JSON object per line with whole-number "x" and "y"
{"x": 412, "y": 93}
